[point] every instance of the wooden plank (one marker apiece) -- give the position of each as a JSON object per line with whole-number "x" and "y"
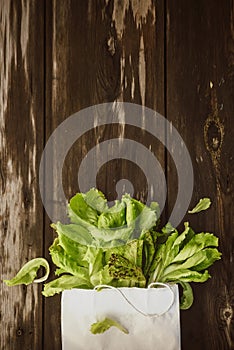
{"x": 200, "y": 95}
{"x": 21, "y": 143}
{"x": 101, "y": 51}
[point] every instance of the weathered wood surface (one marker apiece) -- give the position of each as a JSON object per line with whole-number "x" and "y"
{"x": 200, "y": 103}
{"x": 21, "y": 144}
{"x": 92, "y": 52}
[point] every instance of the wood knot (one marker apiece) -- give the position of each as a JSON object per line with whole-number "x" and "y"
{"x": 111, "y": 45}
{"x": 19, "y": 332}
{"x": 213, "y": 136}
{"x": 227, "y": 313}
{"x": 224, "y": 309}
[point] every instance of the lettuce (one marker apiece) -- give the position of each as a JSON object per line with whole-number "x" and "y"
{"x": 122, "y": 246}
{"x": 28, "y": 273}
{"x": 103, "y": 325}
{"x": 184, "y": 258}
{"x": 203, "y": 204}
{"x": 126, "y": 273}
{"x": 113, "y": 217}
{"x": 66, "y": 282}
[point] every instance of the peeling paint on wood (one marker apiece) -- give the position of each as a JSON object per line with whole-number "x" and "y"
{"x": 8, "y": 53}
{"x": 139, "y": 9}
{"x": 24, "y": 35}
{"x": 142, "y": 71}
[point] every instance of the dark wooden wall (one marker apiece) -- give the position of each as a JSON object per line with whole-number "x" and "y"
{"x": 58, "y": 57}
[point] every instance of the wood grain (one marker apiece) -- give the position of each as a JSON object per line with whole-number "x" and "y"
{"x": 200, "y": 104}
{"x": 58, "y": 57}
{"x": 21, "y": 142}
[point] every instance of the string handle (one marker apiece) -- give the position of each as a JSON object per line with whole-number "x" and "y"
{"x": 151, "y": 285}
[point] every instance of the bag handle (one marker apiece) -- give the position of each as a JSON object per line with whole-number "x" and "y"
{"x": 151, "y": 285}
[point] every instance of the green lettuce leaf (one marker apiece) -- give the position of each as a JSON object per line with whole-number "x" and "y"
{"x": 168, "y": 229}
{"x": 186, "y": 300}
{"x": 74, "y": 232}
{"x": 28, "y": 273}
{"x": 162, "y": 258}
{"x": 185, "y": 275}
{"x": 139, "y": 215}
{"x": 210, "y": 255}
{"x": 127, "y": 273}
{"x": 113, "y": 217}
{"x": 81, "y": 212}
{"x": 203, "y": 204}
{"x": 133, "y": 209}
{"x": 200, "y": 260}
{"x": 66, "y": 282}
{"x": 155, "y": 207}
{"x": 148, "y": 252}
{"x": 75, "y": 250}
{"x": 96, "y": 200}
{"x": 110, "y": 237}
{"x": 64, "y": 262}
{"x": 103, "y": 277}
{"x": 102, "y": 326}
{"x": 197, "y": 243}
{"x": 184, "y": 258}
{"x": 132, "y": 251}
{"x": 95, "y": 259}
{"x": 84, "y": 208}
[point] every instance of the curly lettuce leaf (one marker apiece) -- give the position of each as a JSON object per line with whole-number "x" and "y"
{"x": 113, "y": 216}
{"x": 168, "y": 229}
{"x": 203, "y": 204}
{"x": 66, "y": 282}
{"x": 103, "y": 325}
{"x": 65, "y": 262}
{"x": 210, "y": 255}
{"x": 184, "y": 258}
{"x": 185, "y": 275}
{"x": 74, "y": 249}
{"x": 74, "y": 232}
{"x": 116, "y": 225}
{"x": 95, "y": 259}
{"x": 96, "y": 200}
{"x": 81, "y": 212}
{"x": 198, "y": 262}
{"x": 197, "y": 243}
{"x": 84, "y": 208}
{"x": 110, "y": 237}
{"x": 170, "y": 249}
{"x": 28, "y": 273}
{"x": 140, "y": 216}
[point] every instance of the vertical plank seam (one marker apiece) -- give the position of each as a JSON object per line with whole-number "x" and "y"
{"x": 165, "y": 102}
{"x": 44, "y": 141}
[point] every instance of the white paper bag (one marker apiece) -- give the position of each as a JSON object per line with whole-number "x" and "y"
{"x": 150, "y": 315}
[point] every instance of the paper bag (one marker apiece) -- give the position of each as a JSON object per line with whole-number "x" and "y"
{"x": 151, "y": 316}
